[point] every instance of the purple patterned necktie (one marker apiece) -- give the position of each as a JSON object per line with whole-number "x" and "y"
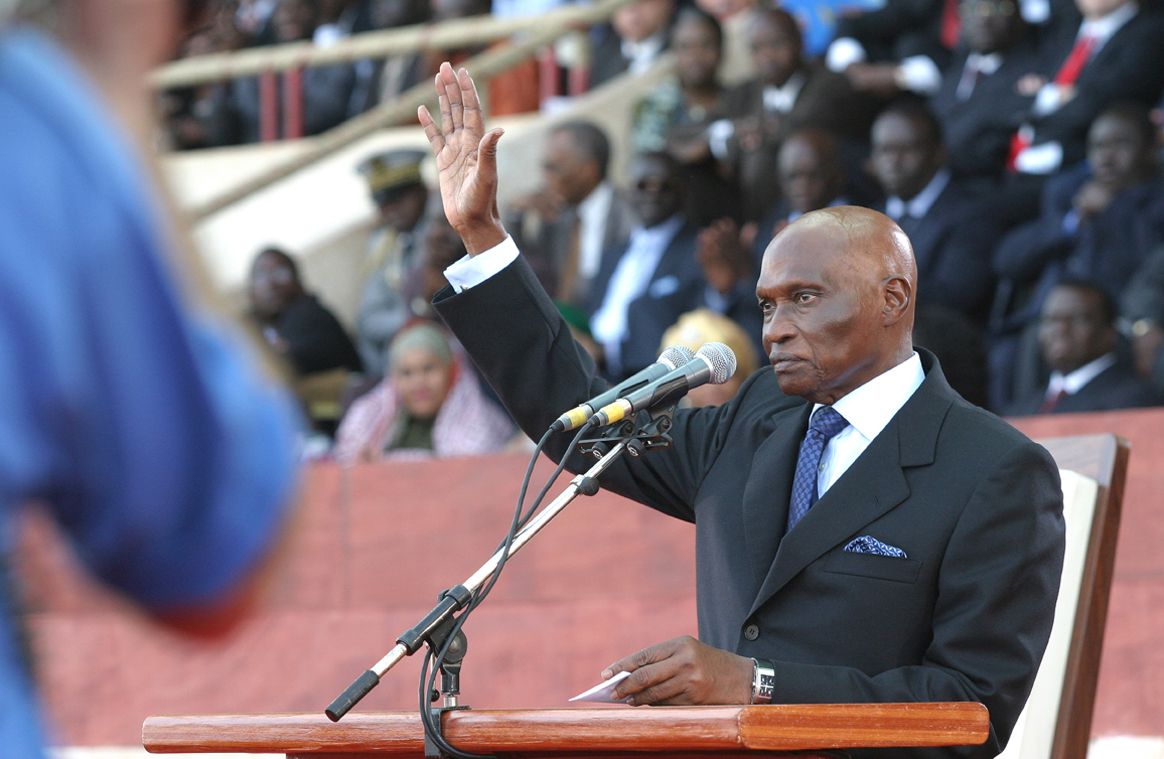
{"x": 825, "y": 423}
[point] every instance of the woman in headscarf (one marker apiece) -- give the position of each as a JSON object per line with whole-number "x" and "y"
{"x": 428, "y": 405}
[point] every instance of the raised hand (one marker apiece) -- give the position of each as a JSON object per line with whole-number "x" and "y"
{"x": 466, "y": 159}
{"x": 683, "y": 672}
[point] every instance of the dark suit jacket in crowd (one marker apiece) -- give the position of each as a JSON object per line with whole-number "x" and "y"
{"x": 1108, "y": 248}
{"x": 826, "y": 101}
{"x": 977, "y": 130}
{"x": 1116, "y": 387}
{"x": 953, "y": 244}
{"x": 1130, "y": 66}
{"x": 897, "y": 30}
{"x": 676, "y": 286}
{"x": 976, "y": 506}
{"x": 316, "y": 340}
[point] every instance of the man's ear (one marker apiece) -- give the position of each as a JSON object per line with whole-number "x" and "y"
{"x": 898, "y": 294}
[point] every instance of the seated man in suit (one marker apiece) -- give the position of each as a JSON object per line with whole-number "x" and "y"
{"x": 927, "y": 568}
{"x": 978, "y": 103}
{"x": 1078, "y": 341}
{"x": 951, "y": 237}
{"x": 787, "y": 93}
{"x": 634, "y": 40}
{"x": 644, "y": 283}
{"x": 564, "y": 226}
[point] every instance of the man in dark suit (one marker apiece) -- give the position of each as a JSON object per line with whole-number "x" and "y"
{"x": 637, "y": 36}
{"x": 787, "y": 93}
{"x": 929, "y": 566}
{"x": 565, "y": 225}
{"x": 1078, "y": 341}
{"x": 646, "y": 282}
{"x": 952, "y": 239}
{"x": 978, "y": 103}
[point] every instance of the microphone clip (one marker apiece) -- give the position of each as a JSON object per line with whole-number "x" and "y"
{"x": 647, "y": 430}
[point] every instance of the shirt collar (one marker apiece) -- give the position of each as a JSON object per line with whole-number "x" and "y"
{"x": 1075, "y": 381}
{"x": 1101, "y": 29}
{"x": 782, "y": 98}
{"x": 871, "y": 406}
{"x": 919, "y": 206}
{"x": 660, "y": 234}
{"x": 596, "y": 204}
{"x": 984, "y": 63}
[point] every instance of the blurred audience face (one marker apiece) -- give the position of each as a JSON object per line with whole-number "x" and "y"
{"x": 1073, "y": 328}
{"x": 642, "y": 19}
{"x": 697, "y": 51}
{"x": 810, "y": 172}
{"x": 776, "y": 46}
{"x": 294, "y": 20}
{"x": 656, "y": 192}
{"x": 402, "y": 209}
{"x": 723, "y": 9}
{"x": 422, "y": 381}
{"x": 990, "y": 26}
{"x": 905, "y": 154}
{"x": 273, "y": 284}
{"x": 569, "y": 174}
{"x": 1120, "y": 151}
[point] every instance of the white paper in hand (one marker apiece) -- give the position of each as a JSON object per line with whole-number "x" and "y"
{"x": 604, "y": 691}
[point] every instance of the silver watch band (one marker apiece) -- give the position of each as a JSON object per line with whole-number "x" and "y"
{"x": 763, "y": 681}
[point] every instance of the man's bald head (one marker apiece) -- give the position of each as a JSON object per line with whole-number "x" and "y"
{"x": 837, "y": 289}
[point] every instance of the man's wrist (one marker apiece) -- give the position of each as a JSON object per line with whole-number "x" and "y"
{"x": 763, "y": 681}
{"x": 482, "y": 237}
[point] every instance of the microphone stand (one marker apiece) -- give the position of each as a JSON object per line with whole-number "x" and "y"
{"x": 458, "y": 597}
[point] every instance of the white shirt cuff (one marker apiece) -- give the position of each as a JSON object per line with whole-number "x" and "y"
{"x": 919, "y": 74}
{"x": 471, "y": 271}
{"x": 1044, "y": 158}
{"x": 844, "y": 52}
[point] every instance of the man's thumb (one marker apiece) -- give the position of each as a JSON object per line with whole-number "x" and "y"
{"x": 487, "y": 149}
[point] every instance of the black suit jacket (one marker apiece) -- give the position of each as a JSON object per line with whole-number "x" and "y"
{"x": 1129, "y": 67}
{"x": 677, "y": 286}
{"x": 953, "y": 244}
{"x": 1116, "y": 387}
{"x": 976, "y": 506}
{"x": 977, "y": 130}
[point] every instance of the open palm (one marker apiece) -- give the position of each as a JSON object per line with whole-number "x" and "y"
{"x": 466, "y": 159}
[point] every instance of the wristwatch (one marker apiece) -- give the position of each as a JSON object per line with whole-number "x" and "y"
{"x": 763, "y": 681}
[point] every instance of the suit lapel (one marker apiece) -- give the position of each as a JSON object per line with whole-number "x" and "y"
{"x": 769, "y": 482}
{"x": 873, "y": 485}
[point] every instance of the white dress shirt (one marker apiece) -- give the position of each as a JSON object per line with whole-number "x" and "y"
{"x": 868, "y": 410}
{"x": 1073, "y": 382}
{"x": 593, "y": 213}
{"x": 920, "y": 204}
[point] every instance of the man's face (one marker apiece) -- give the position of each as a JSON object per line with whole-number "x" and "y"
{"x": 1072, "y": 329}
{"x": 272, "y": 285}
{"x": 403, "y": 209}
{"x": 775, "y": 49}
{"x": 822, "y": 307}
{"x": 642, "y": 19}
{"x": 807, "y": 179}
{"x": 697, "y": 51}
{"x": 656, "y": 194}
{"x": 905, "y": 155}
{"x": 569, "y": 174}
{"x": 1117, "y": 152}
{"x": 989, "y": 26}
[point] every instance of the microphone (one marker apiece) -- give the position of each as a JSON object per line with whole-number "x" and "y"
{"x": 714, "y": 363}
{"x": 676, "y": 355}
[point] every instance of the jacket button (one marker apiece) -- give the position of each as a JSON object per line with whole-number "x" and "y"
{"x": 752, "y": 631}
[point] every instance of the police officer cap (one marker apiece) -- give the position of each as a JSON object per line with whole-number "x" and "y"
{"x": 390, "y": 172}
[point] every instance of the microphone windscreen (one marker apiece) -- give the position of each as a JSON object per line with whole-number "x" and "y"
{"x": 676, "y": 356}
{"x": 721, "y": 359}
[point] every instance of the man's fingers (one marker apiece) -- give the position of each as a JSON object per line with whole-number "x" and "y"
{"x": 452, "y": 86}
{"x": 487, "y": 153}
{"x": 471, "y": 102}
{"x": 638, "y": 659}
{"x": 431, "y": 131}
{"x": 446, "y": 113}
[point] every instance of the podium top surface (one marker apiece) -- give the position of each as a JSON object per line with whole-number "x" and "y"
{"x": 783, "y": 727}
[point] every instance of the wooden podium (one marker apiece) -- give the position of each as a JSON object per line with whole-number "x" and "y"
{"x": 595, "y": 733}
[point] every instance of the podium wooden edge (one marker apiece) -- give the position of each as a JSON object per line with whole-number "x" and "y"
{"x": 584, "y": 731}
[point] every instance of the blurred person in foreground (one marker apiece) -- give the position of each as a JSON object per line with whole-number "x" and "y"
{"x": 138, "y": 423}
{"x": 429, "y": 405}
{"x": 863, "y": 534}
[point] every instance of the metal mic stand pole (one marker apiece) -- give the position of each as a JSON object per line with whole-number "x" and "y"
{"x": 457, "y": 598}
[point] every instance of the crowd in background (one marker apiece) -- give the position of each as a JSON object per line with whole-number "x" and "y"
{"x": 1016, "y": 142}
